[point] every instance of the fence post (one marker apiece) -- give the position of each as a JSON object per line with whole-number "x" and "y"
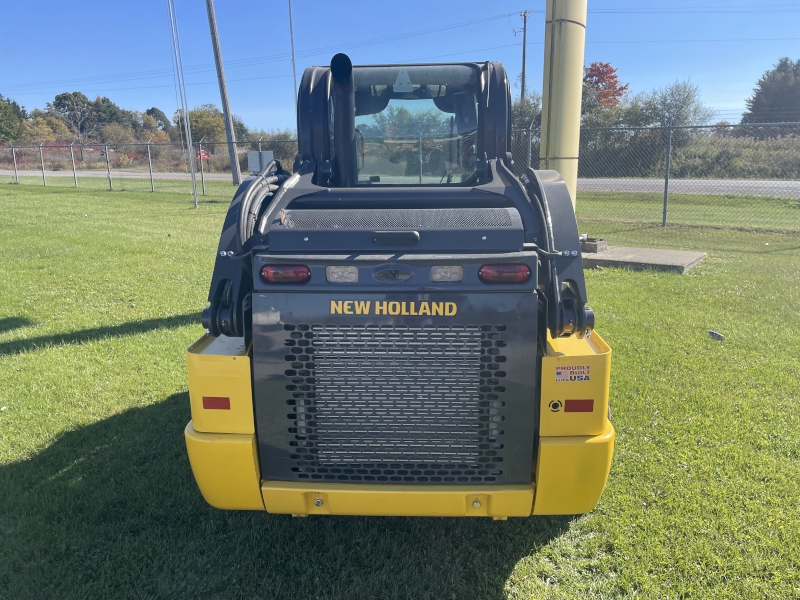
{"x": 530, "y": 135}
{"x": 108, "y": 169}
{"x": 150, "y": 166}
{"x": 14, "y": 156}
{"x": 420, "y": 158}
{"x": 72, "y": 159}
{"x": 666, "y": 174}
{"x": 41, "y": 160}
{"x": 450, "y": 147}
{"x": 202, "y": 170}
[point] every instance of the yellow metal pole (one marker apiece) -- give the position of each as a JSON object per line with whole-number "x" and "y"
{"x": 564, "y": 41}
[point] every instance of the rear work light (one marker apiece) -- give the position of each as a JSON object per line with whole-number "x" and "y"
{"x": 285, "y": 274}
{"x": 449, "y": 273}
{"x": 504, "y": 273}
{"x": 339, "y": 274}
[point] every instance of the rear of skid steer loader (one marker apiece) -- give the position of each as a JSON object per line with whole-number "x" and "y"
{"x": 400, "y": 326}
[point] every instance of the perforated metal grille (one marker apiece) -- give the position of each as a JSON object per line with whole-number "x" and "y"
{"x": 431, "y": 218}
{"x": 396, "y": 403}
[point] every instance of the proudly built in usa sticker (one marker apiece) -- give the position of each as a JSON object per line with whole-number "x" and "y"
{"x": 572, "y": 373}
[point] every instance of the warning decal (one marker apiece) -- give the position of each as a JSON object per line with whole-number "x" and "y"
{"x": 572, "y": 373}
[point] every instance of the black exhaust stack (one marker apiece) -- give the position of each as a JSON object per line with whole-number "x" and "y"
{"x": 344, "y": 121}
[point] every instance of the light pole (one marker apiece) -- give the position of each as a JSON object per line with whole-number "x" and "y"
{"x": 294, "y": 68}
{"x": 524, "y": 15}
{"x": 181, "y": 84}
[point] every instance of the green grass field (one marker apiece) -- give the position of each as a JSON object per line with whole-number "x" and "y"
{"x": 749, "y": 213}
{"x": 101, "y": 292}
{"x": 215, "y": 190}
{"x": 743, "y": 212}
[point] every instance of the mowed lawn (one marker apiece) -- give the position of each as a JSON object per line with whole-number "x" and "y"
{"x": 735, "y": 211}
{"x": 100, "y": 292}
{"x": 99, "y": 182}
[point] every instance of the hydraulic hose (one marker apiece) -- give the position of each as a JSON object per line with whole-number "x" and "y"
{"x": 251, "y": 202}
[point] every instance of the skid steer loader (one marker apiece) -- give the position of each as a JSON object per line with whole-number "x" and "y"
{"x": 399, "y": 325}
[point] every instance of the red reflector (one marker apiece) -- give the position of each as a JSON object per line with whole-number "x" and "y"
{"x": 216, "y": 403}
{"x": 285, "y": 274}
{"x": 504, "y": 273}
{"x": 578, "y": 405}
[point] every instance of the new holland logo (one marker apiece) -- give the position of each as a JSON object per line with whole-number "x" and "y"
{"x": 410, "y": 309}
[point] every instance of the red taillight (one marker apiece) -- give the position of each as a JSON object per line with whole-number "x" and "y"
{"x": 578, "y": 405}
{"x": 504, "y": 273}
{"x": 216, "y": 403}
{"x": 285, "y": 274}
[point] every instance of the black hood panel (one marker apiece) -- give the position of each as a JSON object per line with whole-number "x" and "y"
{"x": 410, "y": 229}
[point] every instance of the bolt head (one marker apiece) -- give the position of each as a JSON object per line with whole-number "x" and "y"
{"x": 318, "y": 502}
{"x": 476, "y": 504}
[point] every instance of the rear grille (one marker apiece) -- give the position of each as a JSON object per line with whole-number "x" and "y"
{"x": 429, "y": 218}
{"x": 395, "y": 403}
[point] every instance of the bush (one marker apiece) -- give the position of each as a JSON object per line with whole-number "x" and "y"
{"x": 718, "y": 157}
{"x": 700, "y": 154}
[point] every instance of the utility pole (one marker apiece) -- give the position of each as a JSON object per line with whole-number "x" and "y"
{"x": 294, "y": 69}
{"x": 223, "y": 93}
{"x": 525, "y": 14}
{"x": 564, "y": 40}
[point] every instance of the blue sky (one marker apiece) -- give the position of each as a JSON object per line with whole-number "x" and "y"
{"x": 122, "y": 49}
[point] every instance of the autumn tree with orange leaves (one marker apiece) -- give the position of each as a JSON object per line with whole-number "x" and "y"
{"x": 602, "y": 78}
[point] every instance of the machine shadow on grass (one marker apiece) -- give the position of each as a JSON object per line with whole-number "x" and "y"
{"x": 12, "y": 323}
{"x": 112, "y": 510}
{"x": 89, "y": 335}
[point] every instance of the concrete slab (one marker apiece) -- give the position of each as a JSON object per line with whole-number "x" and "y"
{"x": 638, "y": 259}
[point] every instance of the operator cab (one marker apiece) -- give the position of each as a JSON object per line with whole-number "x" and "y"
{"x": 395, "y": 125}
{"x": 416, "y": 125}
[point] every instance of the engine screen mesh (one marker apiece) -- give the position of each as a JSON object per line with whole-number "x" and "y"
{"x": 431, "y": 218}
{"x": 394, "y": 403}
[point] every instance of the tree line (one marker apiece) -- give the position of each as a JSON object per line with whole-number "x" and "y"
{"x": 606, "y": 102}
{"x": 627, "y": 151}
{"x": 72, "y": 116}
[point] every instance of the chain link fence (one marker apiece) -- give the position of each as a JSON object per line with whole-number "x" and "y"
{"x": 728, "y": 176}
{"x": 146, "y": 167}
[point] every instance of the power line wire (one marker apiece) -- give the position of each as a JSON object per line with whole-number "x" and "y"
{"x": 281, "y": 58}
{"x": 248, "y": 62}
{"x": 150, "y": 87}
{"x": 726, "y": 40}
